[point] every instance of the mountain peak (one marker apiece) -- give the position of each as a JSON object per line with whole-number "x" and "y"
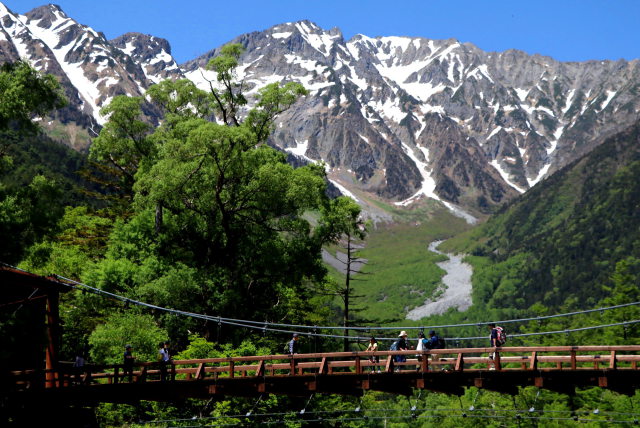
{"x": 50, "y": 13}
{"x": 138, "y": 42}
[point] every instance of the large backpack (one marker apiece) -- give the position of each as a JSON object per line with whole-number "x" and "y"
{"x": 442, "y": 344}
{"x": 394, "y": 346}
{"x": 501, "y": 336}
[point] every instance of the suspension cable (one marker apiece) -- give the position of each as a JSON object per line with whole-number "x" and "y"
{"x": 291, "y": 328}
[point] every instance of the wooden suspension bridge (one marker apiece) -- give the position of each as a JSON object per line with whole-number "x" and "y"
{"x": 558, "y": 368}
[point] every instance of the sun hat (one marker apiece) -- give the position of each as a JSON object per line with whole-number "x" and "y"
{"x": 402, "y": 333}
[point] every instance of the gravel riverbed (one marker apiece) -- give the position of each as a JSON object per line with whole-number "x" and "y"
{"x": 457, "y": 281}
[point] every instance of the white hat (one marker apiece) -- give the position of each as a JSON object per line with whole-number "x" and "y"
{"x": 402, "y": 333}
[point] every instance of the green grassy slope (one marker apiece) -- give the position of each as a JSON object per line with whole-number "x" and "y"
{"x": 400, "y": 272}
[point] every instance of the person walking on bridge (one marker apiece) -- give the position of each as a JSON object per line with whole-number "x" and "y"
{"x": 293, "y": 344}
{"x": 128, "y": 362}
{"x": 164, "y": 358}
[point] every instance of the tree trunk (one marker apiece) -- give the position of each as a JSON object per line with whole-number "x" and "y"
{"x": 346, "y": 295}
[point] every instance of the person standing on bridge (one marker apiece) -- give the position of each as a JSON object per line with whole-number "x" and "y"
{"x": 293, "y": 344}
{"x": 128, "y": 362}
{"x": 497, "y": 339}
{"x": 164, "y": 358}
{"x": 401, "y": 345}
{"x": 373, "y": 347}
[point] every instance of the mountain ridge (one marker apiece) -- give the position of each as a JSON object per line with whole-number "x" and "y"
{"x": 394, "y": 118}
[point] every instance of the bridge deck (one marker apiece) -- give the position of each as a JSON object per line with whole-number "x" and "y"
{"x": 560, "y": 368}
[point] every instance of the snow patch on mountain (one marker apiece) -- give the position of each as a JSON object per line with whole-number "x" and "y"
{"x": 505, "y": 175}
{"x": 86, "y": 87}
{"x": 610, "y": 95}
{"x": 428, "y": 183}
{"x": 344, "y": 190}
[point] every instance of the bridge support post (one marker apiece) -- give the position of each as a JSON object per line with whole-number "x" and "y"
{"x": 51, "y": 357}
{"x": 293, "y": 366}
{"x": 424, "y": 364}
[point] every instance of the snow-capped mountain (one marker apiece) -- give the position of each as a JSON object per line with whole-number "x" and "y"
{"x": 92, "y": 69}
{"x": 404, "y": 117}
{"x": 398, "y": 118}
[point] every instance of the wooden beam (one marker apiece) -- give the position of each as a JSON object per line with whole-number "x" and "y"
{"x": 612, "y": 360}
{"x": 323, "y": 366}
{"x": 459, "y": 363}
{"x": 358, "y": 366}
{"x": 260, "y": 369}
{"x": 201, "y": 371}
{"x": 573, "y": 359}
{"x": 533, "y": 361}
{"x": 389, "y": 366}
{"x": 496, "y": 361}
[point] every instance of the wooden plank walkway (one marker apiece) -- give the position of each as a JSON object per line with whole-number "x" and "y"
{"x": 560, "y": 368}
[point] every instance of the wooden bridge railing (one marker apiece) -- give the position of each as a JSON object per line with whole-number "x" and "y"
{"x": 549, "y": 358}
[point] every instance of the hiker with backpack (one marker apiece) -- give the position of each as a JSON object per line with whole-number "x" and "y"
{"x": 435, "y": 341}
{"x": 422, "y": 345}
{"x": 498, "y": 338}
{"x": 400, "y": 345}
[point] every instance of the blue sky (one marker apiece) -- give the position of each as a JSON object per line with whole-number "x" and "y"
{"x": 567, "y": 30}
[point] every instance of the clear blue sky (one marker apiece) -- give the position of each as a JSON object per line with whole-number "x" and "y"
{"x": 567, "y": 30}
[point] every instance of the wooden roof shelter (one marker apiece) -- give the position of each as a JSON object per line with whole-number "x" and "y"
{"x": 23, "y": 294}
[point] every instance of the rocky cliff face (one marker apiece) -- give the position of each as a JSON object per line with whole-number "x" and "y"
{"x": 403, "y": 117}
{"x": 395, "y": 118}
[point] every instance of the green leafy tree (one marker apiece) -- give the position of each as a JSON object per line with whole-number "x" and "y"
{"x": 26, "y": 215}
{"x": 123, "y": 142}
{"x": 24, "y": 94}
{"x": 119, "y": 329}
{"x": 218, "y": 220}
